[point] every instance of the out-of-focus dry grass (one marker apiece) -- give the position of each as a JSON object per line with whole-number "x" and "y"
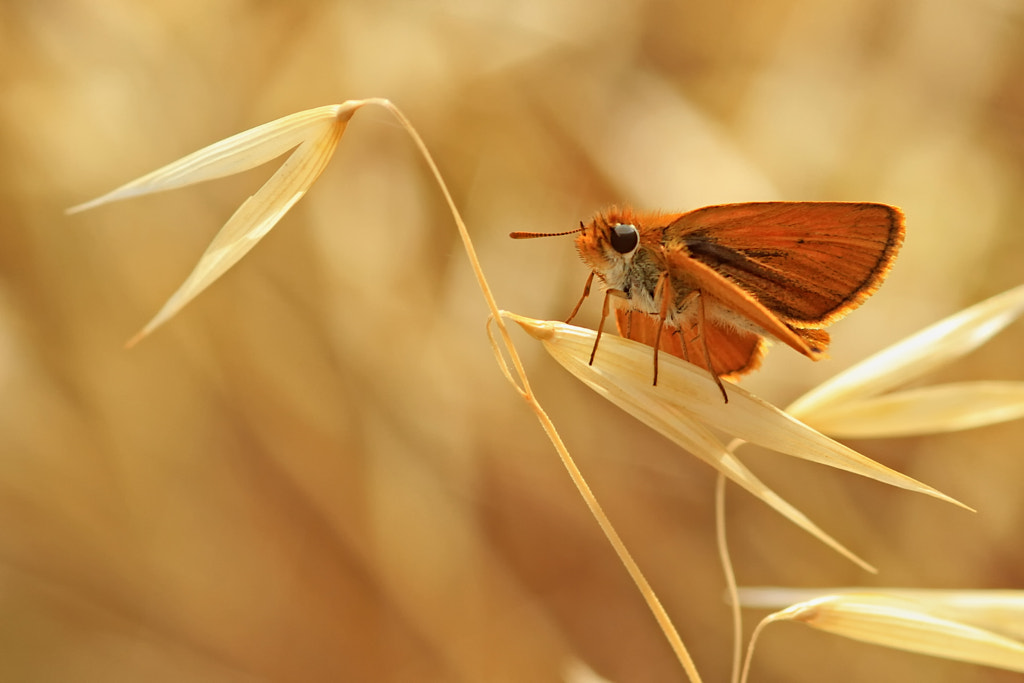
{"x": 317, "y": 472}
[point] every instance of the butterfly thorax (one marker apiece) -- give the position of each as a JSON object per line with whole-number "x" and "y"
{"x": 635, "y": 275}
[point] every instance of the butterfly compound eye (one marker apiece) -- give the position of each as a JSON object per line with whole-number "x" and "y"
{"x": 624, "y": 238}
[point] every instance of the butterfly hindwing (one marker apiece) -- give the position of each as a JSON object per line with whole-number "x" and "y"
{"x": 733, "y": 352}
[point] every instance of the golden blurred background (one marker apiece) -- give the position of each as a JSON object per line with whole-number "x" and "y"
{"x": 317, "y": 472}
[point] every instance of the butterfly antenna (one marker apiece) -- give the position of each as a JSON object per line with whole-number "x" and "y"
{"x": 530, "y": 235}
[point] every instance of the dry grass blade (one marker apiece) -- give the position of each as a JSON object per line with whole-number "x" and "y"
{"x": 905, "y": 624}
{"x": 686, "y": 399}
{"x": 928, "y": 410}
{"x": 1001, "y": 611}
{"x": 916, "y": 355}
{"x": 313, "y": 133}
{"x": 235, "y": 154}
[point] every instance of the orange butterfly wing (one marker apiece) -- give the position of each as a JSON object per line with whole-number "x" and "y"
{"x": 809, "y": 263}
{"x": 733, "y": 352}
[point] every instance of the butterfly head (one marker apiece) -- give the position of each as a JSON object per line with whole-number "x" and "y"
{"x": 606, "y": 244}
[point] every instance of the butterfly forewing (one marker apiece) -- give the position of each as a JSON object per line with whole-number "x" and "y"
{"x": 809, "y": 263}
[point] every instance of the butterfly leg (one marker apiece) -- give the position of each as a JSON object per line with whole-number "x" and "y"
{"x": 702, "y": 326}
{"x": 683, "y": 305}
{"x": 586, "y": 293}
{"x": 663, "y": 293}
{"x": 604, "y": 315}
